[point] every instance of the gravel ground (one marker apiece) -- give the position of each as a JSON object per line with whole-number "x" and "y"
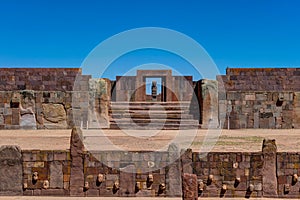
{"x": 243, "y": 140}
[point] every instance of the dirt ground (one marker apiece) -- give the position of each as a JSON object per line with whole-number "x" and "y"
{"x": 243, "y": 140}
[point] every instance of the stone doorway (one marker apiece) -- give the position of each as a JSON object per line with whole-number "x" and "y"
{"x": 141, "y": 83}
{"x": 155, "y": 88}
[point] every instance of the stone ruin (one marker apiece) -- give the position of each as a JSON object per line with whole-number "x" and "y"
{"x": 59, "y": 98}
{"x": 176, "y": 172}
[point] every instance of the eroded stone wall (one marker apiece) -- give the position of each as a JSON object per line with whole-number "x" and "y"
{"x": 52, "y": 98}
{"x": 259, "y": 98}
{"x": 77, "y": 172}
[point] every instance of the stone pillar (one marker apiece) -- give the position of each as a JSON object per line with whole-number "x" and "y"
{"x": 209, "y": 104}
{"x": 11, "y": 171}
{"x": 77, "y": 176}
{"x": 127, "y": 181}
{"x": 189, "y": 187}
{"x": 187, "y": 161}
{"x": 269, "y": 150}
{"x": 173, "y": 176}
{"x": 296, "y": 110}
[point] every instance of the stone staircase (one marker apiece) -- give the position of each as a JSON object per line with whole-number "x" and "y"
{"x": 151, "y": 115}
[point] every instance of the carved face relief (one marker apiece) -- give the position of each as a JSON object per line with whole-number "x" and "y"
{"x": 150, "y": 178}
{"x": 162, "y": 187}
{"x": 251, "y": 188}
{"x": 201, "y": 186}
{"x": 286, "y": 188}
{"x": 86, "y": 185}
{"x": 100, "y": 178}
{"x": 224, "y": 187}
{"x": 116, "y": 185}
{"x": 35, "y": 176}
{"x": 46, "y": 184}
{"x": 295, "y": 178}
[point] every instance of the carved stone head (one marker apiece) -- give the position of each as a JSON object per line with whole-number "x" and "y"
{"x": 116, "y": 185}
{"x": 46, "y": 184}
{"x": 86, "y": 185}
{"x": 201, "y": 186}
{"x": 100, "y": 178}
{"x": 35, "y": 176}
{"x": 150, "y": 178}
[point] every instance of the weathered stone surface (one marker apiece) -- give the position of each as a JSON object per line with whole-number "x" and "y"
{"x": 77, "y": 176}
{"x": 269, "y": 168}
{"x": 296, "y": 111}
{"x": 11, "y": 171}
{"x": 189, "y": 187}
{"x": 54, "y": 116}
{"x": 27, "y": 121}
{"x": 209, "y": 103}
{"x": 56, "y": 175}
{"x": 187, "y": 161}
{"x": 100, "y": 100}
{"x": 173, "y": 175}
{"x": 127, "y": 181}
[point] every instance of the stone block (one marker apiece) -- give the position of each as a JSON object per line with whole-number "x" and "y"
{"x": 189, "y": 187}
{"x": 11, "y": 171}
{"x": 127, "y": 181}
{"x": 54, "y": 116}
{"x": 77, "y": 176}
{"x": 269, "y": 168}
{"x": 173, "y": 176}
{"x": 56, "y": 175}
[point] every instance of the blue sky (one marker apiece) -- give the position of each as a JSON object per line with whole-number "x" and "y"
{"x": 235, "y": 33}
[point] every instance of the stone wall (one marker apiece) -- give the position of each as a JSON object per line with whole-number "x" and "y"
{"x": 179, "y": 88}
{"x": 226, "y": 168}
{"x": 207, "y": 95}
{"x": 52, "y": 98}
{"x": 259, "y": 98}
{"x": 52, "y": 169}
{"x": 77, "y": 172}
{"x": 38, "y": 79}
{"x": 287, "y": 166}
{"x": 58, "y": 98}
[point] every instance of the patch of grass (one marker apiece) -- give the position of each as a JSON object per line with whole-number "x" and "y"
{"x": 245, "y": 138}
{"x": 229, "y": 141}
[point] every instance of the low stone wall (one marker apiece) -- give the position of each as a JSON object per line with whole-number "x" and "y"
{"x": 76, "y": 172}
{"x": 52, "y": 169}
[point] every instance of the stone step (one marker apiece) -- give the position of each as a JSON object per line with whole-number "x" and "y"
{"x": 145, "y": 107}
{"x": 147, "y": 112}
{"x": 182, "y": 103}
{"x": 154, "y": 126}
{"x": 155, "y": 121}
{"x": 152, "y": 115}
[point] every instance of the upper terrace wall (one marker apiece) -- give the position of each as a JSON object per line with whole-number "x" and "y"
{"x": 262, "y": 79}
{"x": 34, "y": 98}
{"x": 260, "y": 98}
{"x": 38, "y": 79}
{"x": 44, "y": 98}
